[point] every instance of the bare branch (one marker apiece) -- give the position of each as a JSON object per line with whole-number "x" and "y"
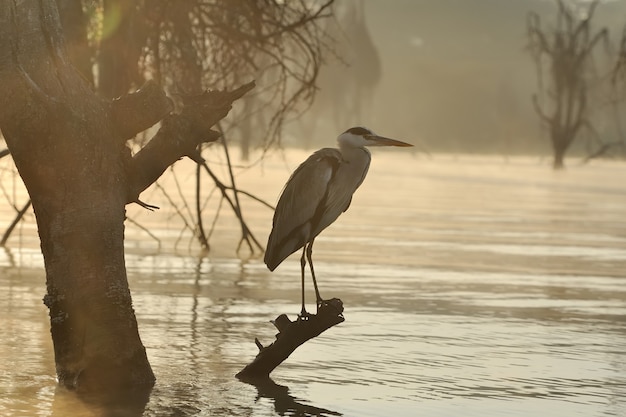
{"x": 133, "y": 113}
{"x": 539, "y": 111}
{"x": 246, "y": 234}
{"x": 145, "y": 229}
{"x": 180, "y": 135}
{"x": 538, "y": 42}
{"x": 16, "y": 220}
{"x": 204, "y": 242}
{"x": 252, "y": 196}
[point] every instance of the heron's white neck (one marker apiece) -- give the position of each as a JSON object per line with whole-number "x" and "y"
{"x": 350, "y": 140}
{"x": 354, "y": 153}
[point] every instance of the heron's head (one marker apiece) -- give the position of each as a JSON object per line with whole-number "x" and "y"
{"x": 358, "y": 137}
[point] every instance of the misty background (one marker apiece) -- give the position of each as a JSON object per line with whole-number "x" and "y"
{"x": 474, "y": 284}
{"x": 454, "y": 75}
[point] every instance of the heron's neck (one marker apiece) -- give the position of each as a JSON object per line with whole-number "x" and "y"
{"x": 354, "y": 153}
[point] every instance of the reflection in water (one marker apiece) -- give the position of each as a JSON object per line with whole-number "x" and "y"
{"x": 498, "y": 283}
{"x": 115, "y": 403}
{"x": 284, "y": 403}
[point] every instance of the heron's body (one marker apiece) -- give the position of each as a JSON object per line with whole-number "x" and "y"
{"x": 329, "y": 177}
{"x": 318, "y": 191}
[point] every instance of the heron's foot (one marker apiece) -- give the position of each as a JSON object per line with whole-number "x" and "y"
{"x": 304, "y": 315}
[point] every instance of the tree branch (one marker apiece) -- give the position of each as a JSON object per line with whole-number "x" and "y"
{"x": 133, "y": 113}
{"x": 545, "y": 118}
{"x": 246, "y": 234}
{"x": 538, "y": 43}
{"x": 16, "y": 220}
{"x": 180, "y": 135}
{"x": 603, "y": 150}
{"x": 291, "y": 334}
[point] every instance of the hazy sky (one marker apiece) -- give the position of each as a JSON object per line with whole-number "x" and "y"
{"x": 455, "y": 73}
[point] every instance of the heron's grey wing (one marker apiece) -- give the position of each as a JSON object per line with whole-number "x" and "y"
{"x": 349, "y": 176}
{"x": 298, "y": 204}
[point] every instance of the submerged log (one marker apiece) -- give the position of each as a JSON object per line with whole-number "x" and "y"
{"x": 291, "y": 334}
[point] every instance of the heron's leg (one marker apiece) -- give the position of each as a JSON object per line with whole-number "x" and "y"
{"x": 309, "y": 254}
{"x": 303, "y": 312}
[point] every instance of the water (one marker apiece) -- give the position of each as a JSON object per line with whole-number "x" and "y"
{"x": 472, "y": 286}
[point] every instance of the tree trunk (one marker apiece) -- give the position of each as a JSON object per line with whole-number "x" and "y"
{"x": 560, "y": 144}
{"x": 71, "y": 159}
{"x": 69, "y": 147}
{"x": 559, "y": 155}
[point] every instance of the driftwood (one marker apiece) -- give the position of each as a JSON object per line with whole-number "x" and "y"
{"x": 291, "y": 334}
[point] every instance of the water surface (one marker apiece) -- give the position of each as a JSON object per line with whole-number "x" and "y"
{"x": 472, "y": 286}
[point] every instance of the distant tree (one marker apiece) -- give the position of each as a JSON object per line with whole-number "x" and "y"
{"x": 618, "y": 84}
{"x": 563, "y": 54}
{"x": 69, "y": 140}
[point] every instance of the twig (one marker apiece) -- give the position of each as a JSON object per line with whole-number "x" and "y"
{"x": 217, "y": 215}
{"x": 245, "y": 231}
{"x": 204, "y": 242}
{"x": 145, "y": 229}
{"x": 602, "y": 150}
{"x": 252, "y": 196}
{"x": 237, "y": 206}
{"x": 178, "y": 212}
{"x": 14, "y": 223}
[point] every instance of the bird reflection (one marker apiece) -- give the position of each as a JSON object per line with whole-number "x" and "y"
{"x": 284, "y": 403}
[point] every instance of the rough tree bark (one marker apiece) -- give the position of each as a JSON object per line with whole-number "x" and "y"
{"x": 69, "y": 147}
{"x": 74, "y": 24}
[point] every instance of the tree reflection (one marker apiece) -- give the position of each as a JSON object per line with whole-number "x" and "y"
{"x": 112, "y": 403}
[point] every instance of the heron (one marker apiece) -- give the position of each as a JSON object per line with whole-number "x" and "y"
{"x": 317, "y": 192}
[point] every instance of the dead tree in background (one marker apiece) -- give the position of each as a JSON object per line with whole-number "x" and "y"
{"x": 349, "y": 79}
{"x": 563, "y": 55}
{"x": 618, "y": 88}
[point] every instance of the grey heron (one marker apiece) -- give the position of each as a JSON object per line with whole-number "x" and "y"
{"x": 317, "y": 192}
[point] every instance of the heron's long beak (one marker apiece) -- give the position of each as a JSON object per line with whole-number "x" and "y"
{"x": 375, "y": 140}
